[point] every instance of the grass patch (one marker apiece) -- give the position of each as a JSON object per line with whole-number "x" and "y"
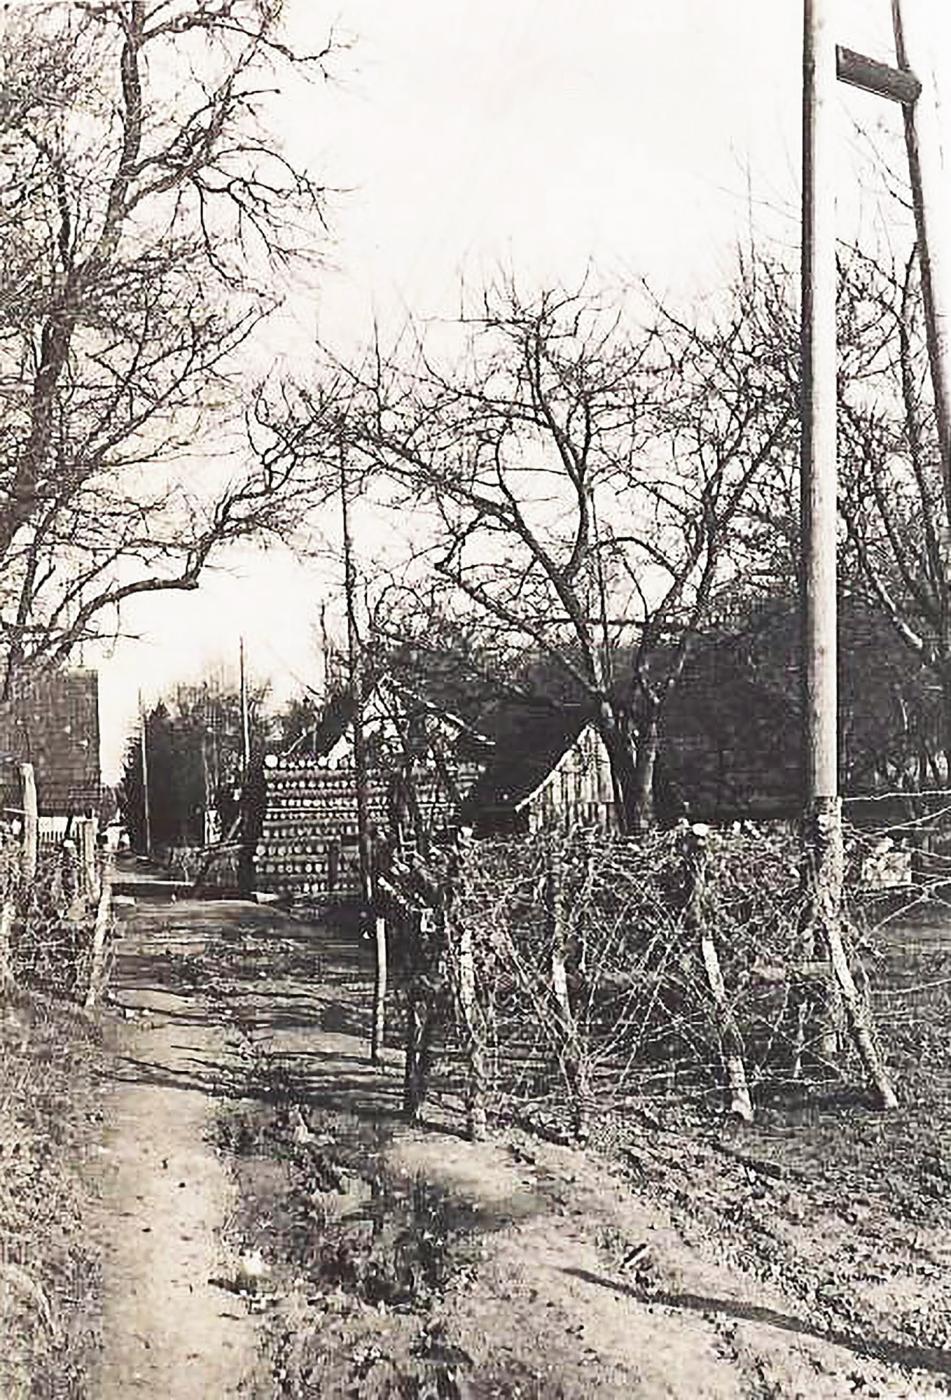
{"x": 47, "y": 1276}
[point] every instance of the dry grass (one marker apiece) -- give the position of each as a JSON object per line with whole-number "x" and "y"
{"x": 46, "y": 1275}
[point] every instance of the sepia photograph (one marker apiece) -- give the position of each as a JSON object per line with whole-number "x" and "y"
{"x": 475, "y": 700}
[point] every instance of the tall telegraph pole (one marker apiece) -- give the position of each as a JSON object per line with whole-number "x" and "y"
{"x": 927, "y": 176}
{"x": 378, "y": 1023}
{"x": 355, "y": 660}
{"x": 144, "y": 752}
{"x": 818, "y": 482}
{"x": 822, "y": 64}
{"x": 245, "y": 719}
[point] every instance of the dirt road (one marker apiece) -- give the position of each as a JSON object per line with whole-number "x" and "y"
{"x": 246, "y": 1123}
{"x": 169, "y": 1327}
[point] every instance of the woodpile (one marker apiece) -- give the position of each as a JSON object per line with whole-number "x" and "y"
{"x": 309, "y": 840}
{"x": 309, "y": 832}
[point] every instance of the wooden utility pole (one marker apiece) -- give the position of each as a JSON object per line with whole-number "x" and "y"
{"x": 822, "y": 844}
{"x": 919, "y": 103}
{"x": 144, "y": 755}
{"x": 355, "y": 661}
{"x": 927, "y": 177}
{"x": 818, "y": 482}
{"x": 355, "y": 666}
{"x": 31, "y": 823}
{"x": 245, "y": 719}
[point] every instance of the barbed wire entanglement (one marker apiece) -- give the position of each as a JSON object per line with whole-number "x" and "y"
{"x": 49, "y": 922}
{"x": 569, "y": 974}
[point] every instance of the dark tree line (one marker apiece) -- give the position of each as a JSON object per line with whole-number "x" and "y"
{"x": 194, "y": 762}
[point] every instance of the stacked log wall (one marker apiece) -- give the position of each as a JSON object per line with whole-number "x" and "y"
{"x": 308, "y": 844}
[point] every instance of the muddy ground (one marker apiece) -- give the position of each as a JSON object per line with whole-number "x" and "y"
{"x": 271, "y": 1228}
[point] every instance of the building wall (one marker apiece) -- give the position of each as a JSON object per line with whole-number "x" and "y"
{"x": 579, "y": 791}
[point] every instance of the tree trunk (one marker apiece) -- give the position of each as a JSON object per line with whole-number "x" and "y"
{"x": 641, "y": 813}
{"x": 632, "y": 768}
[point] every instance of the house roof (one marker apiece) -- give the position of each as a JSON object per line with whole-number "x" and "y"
{"x": 337, "y": 715}
{"x": 534, "y": 738}
{"x": 52, "y": 721}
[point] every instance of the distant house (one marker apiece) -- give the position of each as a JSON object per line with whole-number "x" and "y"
{"x": 546, "y": 768}
{"x": 395, "y": 720}
{"x": 52, "y": 721}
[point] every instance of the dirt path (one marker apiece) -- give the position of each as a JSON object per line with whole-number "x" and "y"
{"x": 407, "y": 1262}
{"x": 168, "y": 1330}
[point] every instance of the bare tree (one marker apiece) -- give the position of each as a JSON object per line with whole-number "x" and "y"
{"x": 895, "y": 499}
{"x": 578, "y": 490}
{"x": 147, "y": 219}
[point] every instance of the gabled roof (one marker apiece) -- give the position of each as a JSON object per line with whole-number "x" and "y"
{"x": 52, "y": 721}
{"x": 332, "y": 725}
{"x": 337, "y": 715}
{"x": 534, "y": 739}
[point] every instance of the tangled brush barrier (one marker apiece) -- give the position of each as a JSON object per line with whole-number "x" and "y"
{"x": 49, "y": 925}
{"x": 587, "y": 970}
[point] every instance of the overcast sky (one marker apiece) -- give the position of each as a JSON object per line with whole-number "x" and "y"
{"x": 539, "y": 136}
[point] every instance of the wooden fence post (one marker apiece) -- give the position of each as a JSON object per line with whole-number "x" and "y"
{"x": 419, "y": 1013}
{"x": 859, "y": 1022}
{"x": 571, "y": 1048}
{"x": 31, "y": 822}
{"x": 88, "y": 866}
{"x": 469, "y": 1009}
{"x": 7, "y": 916}
{"x": 823, "y": 935}
{"x": 696, "y": 855}
{"x": 412, "y": 1092}
{"x": 100, "y": 929}
{"x": 378, "y": 1029}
